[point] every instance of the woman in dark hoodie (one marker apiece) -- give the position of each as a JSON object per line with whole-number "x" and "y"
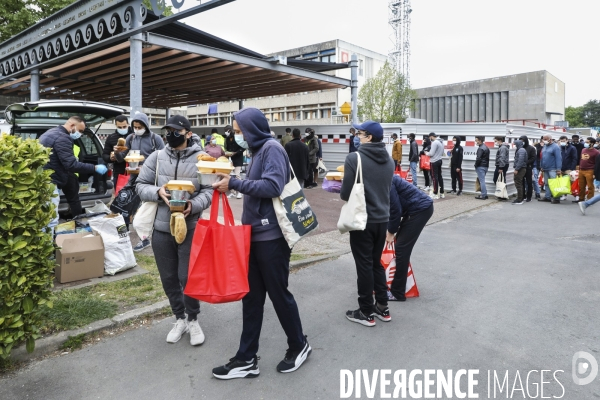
{"x": 531, "y": 160}
{"x": 426, "y": 147}
{"x": 269, "y": 269}
{"x": 456, "y": 166}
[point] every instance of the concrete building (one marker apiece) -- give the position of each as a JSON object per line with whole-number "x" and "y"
{"x": 530, "y": 98}
{"x": 320, "y": 107}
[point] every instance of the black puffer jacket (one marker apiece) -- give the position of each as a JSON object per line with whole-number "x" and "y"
{"x": 62, "y": 159}
{"x": 483, "y": 156}
{"x": 231, "y": 145}
{"x": 111, "y": 141}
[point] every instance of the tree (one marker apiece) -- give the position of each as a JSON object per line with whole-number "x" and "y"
{"x": 591, "y": 113}
{"x": 18, "y": 15}
{"x": 574, "y": 115}
{"x": 385, "y": 97}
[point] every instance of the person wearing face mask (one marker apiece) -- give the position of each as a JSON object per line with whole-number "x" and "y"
{"x": 586, "y": 169}
{"x": 520, "y": 169}
{"x": 537, "y": 168}
{"x": 531, "y": 159}
{"x": 551, "y": 163}
{"x": 62, "y": 160}
{"x": 568, "y": 153}
{"x": 501, "y": 157}
{"x": 269, "y": 266}
{"x": 436, "y": 153}
{"x": 456, "y": 166}
{"x": 220, "y": 140}
{"x": 212, "y": 148}
{"x": 147, "y": 142}
{"x": 482, "y": 163}
{"x": 413, "y": 157}
{"x": 578, "y": 146}
{"x": 313, "y": 148}
{"x": 109, "y": 154}
{"x": 237, "y": 156}
{"x": 426, "y": 173}
{"x": 177, "y": 161}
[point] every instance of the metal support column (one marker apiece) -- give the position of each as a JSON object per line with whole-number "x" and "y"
{"x": 240, "y": 104}
{"x": 354, "y": 87}
{"x": 34, "y": 88}
{"x": 135, "y": 67}
{"x": 167, "y": 114}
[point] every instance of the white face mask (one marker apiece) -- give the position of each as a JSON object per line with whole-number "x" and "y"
{"x": 139, "y": 132}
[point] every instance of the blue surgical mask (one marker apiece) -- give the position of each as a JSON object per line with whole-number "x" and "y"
{"x": 586, "y": 145}
{"x": 122, "y": 131}
{"x": 239, "y": 139}
{"x": 75, "y": 135}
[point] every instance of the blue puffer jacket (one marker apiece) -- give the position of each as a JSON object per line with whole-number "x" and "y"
{"x": 405, "y": 199}
{"x": 62, "y": 158}
{"x": 551, "y": 158}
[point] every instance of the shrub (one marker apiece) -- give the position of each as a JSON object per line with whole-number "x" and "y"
{"x": 25, "y": 248}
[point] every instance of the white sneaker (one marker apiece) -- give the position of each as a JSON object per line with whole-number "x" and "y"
{"x": 442, "y": 196}
{"x": 563, "y": 197}
{"x": 434, "y": 196}
{"x": 181, "y": 327}
{"x": 239, "y": 195}
{"x": 427, "y": 188}
{"x": 196, "y": 334}
{"x": 231, "y": 195}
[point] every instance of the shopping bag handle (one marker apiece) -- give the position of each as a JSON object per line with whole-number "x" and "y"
{"x": 214, "y": 210}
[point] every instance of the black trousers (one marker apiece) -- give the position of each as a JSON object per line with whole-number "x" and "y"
{"x": 436, "y": 176}
{"x": 426, "y": 176}
{"x": 456, "y": 177}
{"x": 528, "y": 182}
{"x": 172, "y": 260}
{"x": 311, "y": 174}
{"x": 497, "y": 172}
{"x": 411, "y": 227}
{"x": 519, "y": 183}
{"x": 367, "y": 247}
{"x": 71, "y": 191}
{"x": 268, "y": 273}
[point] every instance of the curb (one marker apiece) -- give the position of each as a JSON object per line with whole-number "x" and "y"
{"x": 52, "y": 343}
{"x": 302, "y": 263}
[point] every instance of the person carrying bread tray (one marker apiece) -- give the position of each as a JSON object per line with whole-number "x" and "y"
{"x": 173, "y": 231}
{"x": 116, "y": 143}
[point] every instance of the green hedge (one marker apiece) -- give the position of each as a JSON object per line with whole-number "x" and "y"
{"x": 25, "y": 248}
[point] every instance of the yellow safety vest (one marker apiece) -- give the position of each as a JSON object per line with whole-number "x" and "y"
{"x": 76, "y": 151}
{"x": 220, "y": 140}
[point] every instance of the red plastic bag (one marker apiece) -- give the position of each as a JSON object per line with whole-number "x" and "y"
{"x": 541, "y": 179}
{"x": 406, "y": 175}
{"x": 388, "y": 261}
{"x": 425, "y": 162}
{"x": 218, "y": 269}
{"x": 121, "y": 182}
{"x": 575, "y": 188}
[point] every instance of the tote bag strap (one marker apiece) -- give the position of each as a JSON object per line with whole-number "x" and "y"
{"x": 214, "y": 210}
{"x": 156, "y": 175}
{"x": 358, "y": 169}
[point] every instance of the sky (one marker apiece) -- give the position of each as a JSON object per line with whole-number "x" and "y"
{"x": 451, "y": 40}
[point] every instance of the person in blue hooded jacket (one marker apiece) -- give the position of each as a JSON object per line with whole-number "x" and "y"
{"x": 410, "y": 209}
{"x": 269, "y": 268}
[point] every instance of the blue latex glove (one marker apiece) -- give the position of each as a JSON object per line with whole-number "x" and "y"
{"x": 101, "y": 169}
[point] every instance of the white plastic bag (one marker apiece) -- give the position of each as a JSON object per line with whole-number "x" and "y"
{"x": 143, "y": 222}
{"x": 353, "y": 216}
{"x": 98, "y": 207}
{"x": 118, "y": 254}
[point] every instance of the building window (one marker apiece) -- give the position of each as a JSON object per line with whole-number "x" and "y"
{"x": 361, "y": 66}
{"x": 325, "y": 113}
{"x": 157, "y": 121}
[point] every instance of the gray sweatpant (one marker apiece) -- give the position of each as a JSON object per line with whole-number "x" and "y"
{"x": 172, "y": 261}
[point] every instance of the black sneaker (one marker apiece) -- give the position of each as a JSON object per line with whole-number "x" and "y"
{"x": 527, "y": 200}
{"x": 382, "y": 315}
{"x": 537, "y": 196}
{"x": 142, "y": 245}
{"x": 459, "y": 193}
{"x": 237, "y": 369}
{"x": 294, "y": 358}
{"x": 517, "y": 202}
{"x": 358, "y": 317}
{"x": 391, "y": 297}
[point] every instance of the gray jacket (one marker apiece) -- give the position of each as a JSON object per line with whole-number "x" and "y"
{"x": 146, "y": 143}
{"x": 520, "y": 156}
{"x": 313, "y": 149}
{"x": 502, "y": 155}
{"x": 180, "y": 165}
{"x": 437, "y": 150}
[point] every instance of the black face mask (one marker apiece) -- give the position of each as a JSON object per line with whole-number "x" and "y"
{"x": 175, "y": 141}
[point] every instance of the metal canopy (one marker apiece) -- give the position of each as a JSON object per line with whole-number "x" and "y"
{"x": 175, "y": 73}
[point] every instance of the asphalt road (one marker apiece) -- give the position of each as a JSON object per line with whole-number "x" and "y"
{"x": 509, "y": 288}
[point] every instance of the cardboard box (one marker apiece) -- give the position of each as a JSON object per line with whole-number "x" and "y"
{"x": 79, "y": 257}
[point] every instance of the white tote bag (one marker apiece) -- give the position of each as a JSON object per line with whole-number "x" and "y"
{"x": 294, "y": 215}
{"x": 353, "y": 216}
{"x": 143, "y": 222}
{"x": 501, "y": 191}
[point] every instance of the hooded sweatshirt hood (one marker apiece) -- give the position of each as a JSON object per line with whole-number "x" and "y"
{"x": 143, "y": 119}
{"x": 375, "y": 151}
{"x": 518, "y": 143}
{"x": 254, "y": 125}
{"x": 457, "y": 141}
{"x": 525, "y": 141}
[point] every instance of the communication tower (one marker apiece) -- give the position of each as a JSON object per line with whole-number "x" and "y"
{"x": 399, "y": 19}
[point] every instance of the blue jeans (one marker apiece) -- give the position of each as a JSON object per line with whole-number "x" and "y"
{"x": 413, "y": 172}
{"x": 536, "y": 176}
{"x": 548, "y": 175}
{"x": 481, "y": 171}
{"x": 592, "y": 201}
